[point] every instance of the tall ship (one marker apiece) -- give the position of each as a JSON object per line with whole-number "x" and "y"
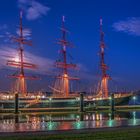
{"x": 62, "y": 96}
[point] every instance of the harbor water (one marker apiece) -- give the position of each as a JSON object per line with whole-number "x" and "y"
{"x": 66, "y": 121}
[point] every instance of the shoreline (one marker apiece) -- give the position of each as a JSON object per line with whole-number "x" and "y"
{"x": 85, "y": 134}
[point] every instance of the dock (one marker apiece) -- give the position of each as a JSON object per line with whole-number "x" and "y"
{"x": 75, "y": 109}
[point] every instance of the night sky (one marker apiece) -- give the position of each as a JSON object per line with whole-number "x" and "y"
{"x": 121, "y": 25}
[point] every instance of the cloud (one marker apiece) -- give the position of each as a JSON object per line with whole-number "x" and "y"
{"x": 6, "y": 35}
{"x": 8, "y": 52}
{"x": 45, "y": 66}
{"x": 26, "y": 32}
{"x": 33, "y": 9}
{"x": 130, "y": 26}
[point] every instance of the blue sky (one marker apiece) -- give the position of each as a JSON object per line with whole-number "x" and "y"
{"x": 121, "y": 24}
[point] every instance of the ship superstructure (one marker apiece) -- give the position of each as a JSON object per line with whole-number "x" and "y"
{"x": 19, "y": 62}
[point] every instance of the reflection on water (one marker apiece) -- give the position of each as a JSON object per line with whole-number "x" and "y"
{"x": 35, "y": 122}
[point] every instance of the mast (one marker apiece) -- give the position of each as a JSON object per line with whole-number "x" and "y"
{"x": 64, "y": 44}
{"x": 19, "y": 63}
{"x": 105, "y": 77}
{"x": 63, "y": 63}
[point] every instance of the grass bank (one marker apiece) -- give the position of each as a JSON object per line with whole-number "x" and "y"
{"x": 110, "y": 134}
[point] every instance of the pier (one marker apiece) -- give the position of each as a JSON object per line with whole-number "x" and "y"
{"x": 71, "y": 109}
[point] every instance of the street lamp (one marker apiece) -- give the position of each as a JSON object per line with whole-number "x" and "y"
{"x": 134, "y": 99}
{"x": 50, "y": 102}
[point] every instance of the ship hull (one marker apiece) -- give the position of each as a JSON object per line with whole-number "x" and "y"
{"x": 63, "y": 102}
{"x": 106, "y": 102}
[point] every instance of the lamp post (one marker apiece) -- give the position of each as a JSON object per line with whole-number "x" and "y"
{"x": 16, "y": 103}
{"x": 50, "y": 102}
{"x": 134, "y": 100}
{"x": 81, "y": 102}
{"x": 112, "y": 105}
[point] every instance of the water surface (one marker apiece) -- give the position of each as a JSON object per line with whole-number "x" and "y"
{"x": 45, "y": 122}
